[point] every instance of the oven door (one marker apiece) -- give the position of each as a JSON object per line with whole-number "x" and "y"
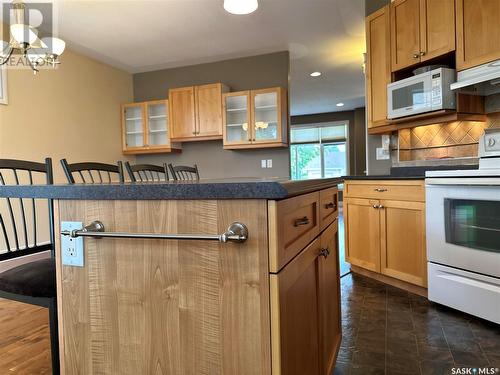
{"x": 463, "y": 227}
{"x": 409, "y": 96}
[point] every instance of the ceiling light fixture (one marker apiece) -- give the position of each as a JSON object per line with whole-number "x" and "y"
{"x": 315, "y": 74}
{"x": 241, "y": 6}
{"x": 340, "y": 104}
{"x": 24, "y": 38}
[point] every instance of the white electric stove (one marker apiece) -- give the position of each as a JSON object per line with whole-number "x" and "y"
{"x": 463, "y": 234}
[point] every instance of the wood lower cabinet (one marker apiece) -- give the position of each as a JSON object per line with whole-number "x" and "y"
{"x": 147, "y": 306}
{"x": 362, "y": 239}
{"x": 387, "y": 235}
{"x": 305, "y": 309}
{"x": 196, "y": 112}
{"x": 402, "y": 242}
{"x": 478, "y": 32}
{"x": 378, "y": 66}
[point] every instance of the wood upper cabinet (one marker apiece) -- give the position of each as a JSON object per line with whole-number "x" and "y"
{"x": 208, "y": 100}
{"x": 182, "y": 113}
{"x": 196, "y": 112}
{"x": 305, "y": 309}
{"x": 478, "y": 32}
{"x": 378, "y": 66}
{"x": 255, "y": 118}
{"x": 362, "y": 233}
{"x": 421, "y": 30}
{"x": 403, "y": 249}
{"x": 145, "y": 128}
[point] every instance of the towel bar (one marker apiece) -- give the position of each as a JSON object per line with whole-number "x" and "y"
{"x": 237, "y": 232}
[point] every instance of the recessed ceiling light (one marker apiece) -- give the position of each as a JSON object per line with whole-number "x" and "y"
{"x": 315, "y": 74}
{"x": 241, "y": 6}
{"x": 340, "y": 104}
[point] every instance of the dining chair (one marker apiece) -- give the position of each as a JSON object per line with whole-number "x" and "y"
{"x": 93, "y": 172}
{"x": 147, "y": 172}
{"x": 184, "y": 173}
{"x": 23, "y": 231}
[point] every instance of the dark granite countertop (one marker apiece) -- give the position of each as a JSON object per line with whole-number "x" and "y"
{"x": 410, "y": 173}
{"x": 237, "y": 188}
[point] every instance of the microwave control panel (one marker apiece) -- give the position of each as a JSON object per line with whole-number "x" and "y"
{"x": 436, "y": 91}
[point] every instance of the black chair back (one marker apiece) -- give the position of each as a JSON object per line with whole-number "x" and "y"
{"x": 19, "y": 226}
{"x": 184, "y": 173}
{"x": 93, "y": 173}
{"x": 147, "y": 172}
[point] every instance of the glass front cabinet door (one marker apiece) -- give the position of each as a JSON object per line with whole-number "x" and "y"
{"x": 145, "y": 128}
{"x": 255, "y": 119}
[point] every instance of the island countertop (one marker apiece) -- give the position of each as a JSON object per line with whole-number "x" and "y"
{"x": 233, "y": 188}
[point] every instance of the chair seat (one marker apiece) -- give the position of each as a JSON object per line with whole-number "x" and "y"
{"x": 34, "y": 279}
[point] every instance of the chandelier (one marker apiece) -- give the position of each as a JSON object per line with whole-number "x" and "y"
{"x": 24, "y": 39}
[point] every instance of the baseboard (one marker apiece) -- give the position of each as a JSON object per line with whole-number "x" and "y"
{"x": 415, "y": 289}
{"x": 14, "y": 262}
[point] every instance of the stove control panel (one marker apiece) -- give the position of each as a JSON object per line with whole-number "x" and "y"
{"x": 489, "y": 144}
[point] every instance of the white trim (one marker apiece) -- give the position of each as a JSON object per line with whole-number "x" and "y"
{"x": 11, "y": 263}
{"x": 4, "y": 99}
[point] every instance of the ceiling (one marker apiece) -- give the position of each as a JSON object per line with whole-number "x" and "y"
{"x": 138, "y": 36}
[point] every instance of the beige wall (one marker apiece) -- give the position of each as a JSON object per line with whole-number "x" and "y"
{"x": 72, "y": 112}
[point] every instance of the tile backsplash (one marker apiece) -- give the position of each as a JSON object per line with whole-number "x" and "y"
{"x": 443, "y": 141}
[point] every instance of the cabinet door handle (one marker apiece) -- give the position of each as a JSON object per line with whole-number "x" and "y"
{"x": 302, "y": 221}
{"x": 330, "y": 205}
{"x": 380, "y": 190}
{"x": 324, "y": 252}
{"x": 416, "y": 55}
{"x": 375, "y": 206}
{"x": 380, "y": 206}
{"x": 422, "y": 53}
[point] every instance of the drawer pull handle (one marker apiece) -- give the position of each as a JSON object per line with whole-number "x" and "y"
{"x": 380, "y": 190}
{"x": 330, "y": 205}
{"x": 324, "y": 252}
{"x": 302, "y": 221}
{"x": 237, "y": 232}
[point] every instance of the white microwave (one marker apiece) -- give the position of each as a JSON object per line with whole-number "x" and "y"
{"x": 426, "y": 92}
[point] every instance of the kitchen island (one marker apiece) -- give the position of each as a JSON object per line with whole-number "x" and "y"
{"x": 167, "y": 284}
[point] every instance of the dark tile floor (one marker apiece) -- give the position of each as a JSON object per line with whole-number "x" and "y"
{"x": 389, "y": 331}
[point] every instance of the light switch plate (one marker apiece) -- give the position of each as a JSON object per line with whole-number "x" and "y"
{"x": 269, "y": 163}
{"x": 72, "y": 248}
{"x": 263, "y": 163}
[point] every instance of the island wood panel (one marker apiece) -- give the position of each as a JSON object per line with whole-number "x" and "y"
{"x": 329, "y": 295}
{"x": 163, "y": 306}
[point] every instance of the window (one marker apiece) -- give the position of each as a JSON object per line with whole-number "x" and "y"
{"x": 318, "y": 151}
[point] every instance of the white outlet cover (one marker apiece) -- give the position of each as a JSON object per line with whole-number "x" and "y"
{"x": 263, "y": 163}
{"x": 72, "y": 248}
{"x": 383, "y": 154}
{"x": 269, "y": 163}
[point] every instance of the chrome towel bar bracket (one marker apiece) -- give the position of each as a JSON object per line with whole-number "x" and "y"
{"x": 237, "y": 232}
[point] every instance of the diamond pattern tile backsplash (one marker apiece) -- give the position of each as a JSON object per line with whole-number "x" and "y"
{"x": 438, "y": 141}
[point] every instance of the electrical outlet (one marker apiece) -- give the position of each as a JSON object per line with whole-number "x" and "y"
{"x": 269, "y": 163}
{"x": 72, "y": 248}
{"x": 263, "y": 163}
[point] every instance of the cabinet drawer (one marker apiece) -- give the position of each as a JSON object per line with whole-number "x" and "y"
{"x": 401, "y": 191}
{"x": 328, "y": 206}
{"x": 293, "y": 223}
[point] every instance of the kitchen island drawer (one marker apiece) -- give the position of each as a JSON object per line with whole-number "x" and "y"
{"x": 293, "y": 224}
{"x": 411, "y": 190}
{"x": 328, "y": 206}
